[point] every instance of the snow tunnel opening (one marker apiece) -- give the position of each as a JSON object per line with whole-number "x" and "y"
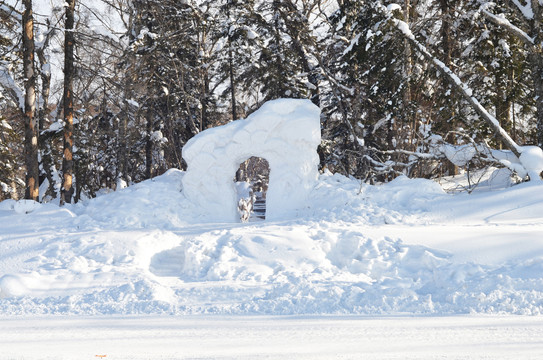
{"x": 251, "y": 180}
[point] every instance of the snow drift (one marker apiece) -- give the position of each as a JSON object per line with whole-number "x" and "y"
{"x": 404, "y": 247}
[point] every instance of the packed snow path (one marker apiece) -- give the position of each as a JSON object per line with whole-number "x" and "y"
{"x": 240, "y": 337}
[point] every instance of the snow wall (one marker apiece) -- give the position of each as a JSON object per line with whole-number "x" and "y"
{"x": 285, "y": 132}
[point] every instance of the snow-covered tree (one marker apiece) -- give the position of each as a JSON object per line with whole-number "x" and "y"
{"x": 286, "y": 67}
{"x": 523, "y": 20}
{"x": 374, "y": 108}
{"x": 237, "y": 49}
{"x": 173, "y": 61}
{"x": 11, "y": 93}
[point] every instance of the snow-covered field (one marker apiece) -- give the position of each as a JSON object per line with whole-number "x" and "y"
{"x": 359, "y": 267}
{"x": 405, "y": 247}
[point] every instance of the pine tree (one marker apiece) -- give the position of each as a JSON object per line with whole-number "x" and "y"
{"x": 523, "y": 20}
{"x": 375, "y": 118}
{"x": 285, "y": 65}
{"x": 11, "y": 99}
{"x": 10, "y": 142}
{"x": 236, "y": 52}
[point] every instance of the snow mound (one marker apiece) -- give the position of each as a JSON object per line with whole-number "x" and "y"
{"x": 285, "y": 132}
{"x": 404, "y": 200}
{"x": 25, "y": 206}
{"x": 11, "y": 286}
{"x": 156, "y": 203}
{"x": 532, "y": 160}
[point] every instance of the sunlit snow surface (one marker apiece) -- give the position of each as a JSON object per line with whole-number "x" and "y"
{"x": 404, "y": 247}
{"x": 277, "y": 337}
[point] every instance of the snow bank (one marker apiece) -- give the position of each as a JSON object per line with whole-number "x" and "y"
{"x": 355, "y": 249}
{"x": 154, "y": 204}
{"x": 285, "y": 132}
{"x": 26, "y": 206}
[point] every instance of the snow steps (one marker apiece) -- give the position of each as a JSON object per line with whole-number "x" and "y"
{"x": 259, "y": 209}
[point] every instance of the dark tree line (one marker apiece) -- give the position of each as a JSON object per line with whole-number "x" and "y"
{"x": 140, "y": 78}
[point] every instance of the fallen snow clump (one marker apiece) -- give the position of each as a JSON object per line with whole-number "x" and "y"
{"x": 531, "y": 158}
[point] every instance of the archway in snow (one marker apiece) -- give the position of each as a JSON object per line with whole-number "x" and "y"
{"x": 286, "y": 132}
{"x": 252, "y": 179}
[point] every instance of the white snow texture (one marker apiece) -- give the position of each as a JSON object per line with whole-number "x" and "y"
{"x": 285, "y": 132}
{"x": 405, "y": 247}
{"x": 532, "y": 160}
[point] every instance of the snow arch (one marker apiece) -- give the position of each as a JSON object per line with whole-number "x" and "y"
{"x": 285, "y": 132}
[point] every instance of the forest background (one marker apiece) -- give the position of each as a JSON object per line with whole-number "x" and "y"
{"x": 100, "y": 94}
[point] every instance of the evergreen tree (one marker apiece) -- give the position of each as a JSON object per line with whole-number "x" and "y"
{"x": 9, "y": 146}
{"x": 374, "y": 119}
{"x": 286, "y": 67}
{"x": 10, "y": 104}
{"x": 173, "y": 59}
{"x": 237, "y": 50}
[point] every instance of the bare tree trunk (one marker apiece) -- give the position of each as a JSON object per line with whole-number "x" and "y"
{"x": 205, "y": 98}
{"x": 67, "y": 159}
{"x": 232, "y": 80}
{"x": 149, "y": 144}
{"x": 43, "y": 112}
{"x": 31, "y": 129}
{"x": 204, "y": 78}
{"x": 503, "y": 104}
{"x": 408, "y": 68}
{"x": 537, "y": 74}
{"x": 122, "y": 153}
{"x": 122, "y": 145}
{"x": 448, "y": 121}
{"x": 129, "y": 83}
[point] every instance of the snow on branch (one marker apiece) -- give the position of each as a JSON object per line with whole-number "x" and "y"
{"x": 526, "y": 10}
{"x": 533, "y": 165}
{"x": 461, "y": 86}
{"x": 418, "y": 155}
{"x": 15, "y": 92}
{"x": 506, "y": 24}
{"x": 10, "y": 11}
{"x": 530, "y": 157}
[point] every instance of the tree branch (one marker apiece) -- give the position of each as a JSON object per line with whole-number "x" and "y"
{"x": 507, "y": 25}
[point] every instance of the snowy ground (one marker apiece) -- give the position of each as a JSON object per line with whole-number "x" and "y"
{"x": 405, "y": 249}
{"x": 263, "y": 337}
